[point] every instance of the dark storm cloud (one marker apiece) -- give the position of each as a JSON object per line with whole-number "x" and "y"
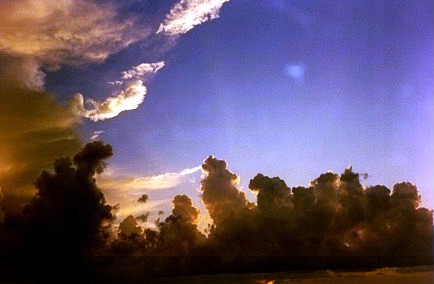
{"x": 68, "y": 216}
{"x": 34, "y": 130}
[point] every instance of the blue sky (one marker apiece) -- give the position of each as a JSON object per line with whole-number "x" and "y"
{"x": 285, "y": 88}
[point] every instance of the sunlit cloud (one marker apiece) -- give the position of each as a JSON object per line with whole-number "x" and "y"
{"x": 128, "y": 183}
{"x": 126, "y": 189}
{"x": 52, "y": 33}
{"x": 187, "y": 14}
{"x": 128, "y": 98}
{"x": 141, "y": 70}
{"x": 96, "y": 135}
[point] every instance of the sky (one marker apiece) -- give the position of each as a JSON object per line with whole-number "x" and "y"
{"x": 285, "y": 88}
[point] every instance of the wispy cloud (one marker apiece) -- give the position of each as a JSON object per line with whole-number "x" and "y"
{"x": 128, "y": 98}
{"x": 136, "y": 184}
{"x": 125, "y": 189}
{"x": 96, "y": 135}
{"x": 141, "y": 70}
{"x": 187, "y": 14}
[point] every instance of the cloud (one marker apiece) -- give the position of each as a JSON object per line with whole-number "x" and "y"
{"x": 220, "y": 195}
{"x": 187, "y": 14}
{"x": 60, "y": 32}
{"x": 96, "y": 135}
{"x": 41, "y": 35}
{"x": 130, "y": 183}
{"x": 69, "y": 214}
{"x": 141, "y": 70}
{"x": 129, "y": 98}
{"x": 34, "y": 130}
{"x": 178, "y": 234}
{"x": 126, "y": 189}
{"x": 335, "y": 222}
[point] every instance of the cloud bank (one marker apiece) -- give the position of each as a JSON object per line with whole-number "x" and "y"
{"x": 187, "y": 14}
{"x": 334, "y": 222}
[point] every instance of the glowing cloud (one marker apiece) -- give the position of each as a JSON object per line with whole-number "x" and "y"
{"x": 63, "y": 32}
{"x": 141, "y": 70}
{"x": 187, "y": 14}
{"x": 128, "y": 98}
{"x": 126, "y": 189}
{"x": 134, "y": 184}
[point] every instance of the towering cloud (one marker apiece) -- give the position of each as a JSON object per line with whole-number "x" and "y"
{"x": 187, "y": 14}
{"x": 129, "y": 98}
{"x": 179, "y": 235}
{"x": 220, "y": 193}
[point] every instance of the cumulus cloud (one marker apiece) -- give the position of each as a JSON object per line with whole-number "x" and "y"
{"x": 187, "y": 14}
{"x": 220, "y": 195}
{"x": 335, "y": 221}
{"x": 178, "y": 234}
{"x": 129, "y": 98}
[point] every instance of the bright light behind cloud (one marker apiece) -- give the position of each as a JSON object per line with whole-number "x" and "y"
{"x": 127, "y": 183}
{"x": 125, "y": 189}
{"x": 187, "y": 14}
{"x": 129, "y": 98}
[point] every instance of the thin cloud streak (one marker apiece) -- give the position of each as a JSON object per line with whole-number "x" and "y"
{"x": 187, "y": 14}
{"x": 110, "y": 180}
